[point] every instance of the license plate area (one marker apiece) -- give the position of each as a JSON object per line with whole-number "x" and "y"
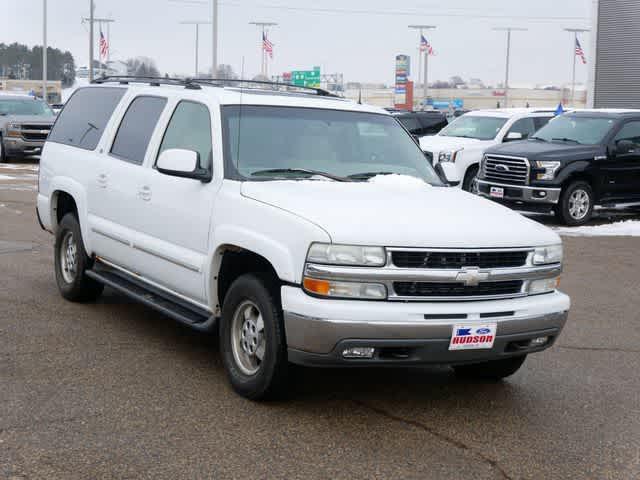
{"x": 496, "y": 192}
{"x": 466, "y": 336}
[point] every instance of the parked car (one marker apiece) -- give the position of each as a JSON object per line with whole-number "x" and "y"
{"x": 420, "y": 124}
{"x": 302, "y": 227}
{"x": 579, "y": 160}
{"x": 465, "y": 140}
{"x": 25, "y": 122}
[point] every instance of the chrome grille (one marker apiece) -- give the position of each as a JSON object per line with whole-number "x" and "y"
{"x": 509, "y": 170}
{"x": 34, "y": 132}
{"x": 459, "y": 259}
{"x": 454, "y": 289}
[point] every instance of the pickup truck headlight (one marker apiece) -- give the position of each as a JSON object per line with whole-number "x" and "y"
{"x": 448, "y": 156}
{"x": 13, "y": 130}
{"x": 339, "y": 289}
{"x": 550, "y": 169}
{"x": 332, "y": 254}
{"x": 547, "y": 255}
{"x": 544, "y": 285}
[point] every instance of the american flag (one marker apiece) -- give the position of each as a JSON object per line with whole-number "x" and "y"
{"x": 104, "y": 46}
{"x": 580, "y": 52}
{"x": 425, "y": 46}
{"x": 267, "y": 46}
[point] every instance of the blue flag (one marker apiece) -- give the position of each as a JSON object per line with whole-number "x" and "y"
{"x": 559, "y": 110}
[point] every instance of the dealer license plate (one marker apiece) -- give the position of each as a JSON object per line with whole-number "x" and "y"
{"x": 473, "y": 336}
{"x": 496, "y": 192}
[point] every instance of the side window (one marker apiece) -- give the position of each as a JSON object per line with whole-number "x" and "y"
{"x": 523, "y": 126}
{"x": 190, "y": 129}
{"x": 540, "y": 122}
{"x": 410, "y": 123}
{"x": 136, "y": 128}
{"x": 82, "y": 121}
{"x": 630, "y": 132}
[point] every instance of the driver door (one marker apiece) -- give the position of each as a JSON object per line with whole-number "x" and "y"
{"x": 623, "y": 166}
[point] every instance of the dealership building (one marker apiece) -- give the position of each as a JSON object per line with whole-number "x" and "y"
{"x": 614, "y": 78}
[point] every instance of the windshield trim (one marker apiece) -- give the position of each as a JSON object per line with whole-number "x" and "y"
{"x": 231, "y": 173}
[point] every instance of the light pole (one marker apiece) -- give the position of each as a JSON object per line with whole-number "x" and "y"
{"x": 90, "y": 41}
{"x": 421, "y": 29}
{"x": 575, "y": 32}
{"x": 506, "y": 75}
{"x": 44, "y": 51}
{"x": 263, "y": 26}
{"x": 214, "y": 40}
{"x": 197, "y": 24}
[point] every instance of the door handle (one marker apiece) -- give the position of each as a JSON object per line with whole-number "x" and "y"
{"x": 102, "y": 180}
{"x": 145, "y": 193}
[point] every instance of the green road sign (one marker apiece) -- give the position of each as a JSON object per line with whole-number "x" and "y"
{"x": 306, "y": 78}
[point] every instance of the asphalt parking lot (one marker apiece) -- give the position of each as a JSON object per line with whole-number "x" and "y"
{"x": 115, "y": 390}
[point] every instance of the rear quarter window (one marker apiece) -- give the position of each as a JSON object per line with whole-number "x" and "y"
{"x": 85, "y": 115}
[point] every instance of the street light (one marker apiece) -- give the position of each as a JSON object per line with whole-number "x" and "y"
{"x": 44, "y": 51}
{"x": 506, "y": 75}
{"x": 197, "y": 24}
{"x": 575, "y": 32}
{"x": 421, "y": 29}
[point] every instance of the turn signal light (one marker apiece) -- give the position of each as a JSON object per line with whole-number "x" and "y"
{"x": 321, "y": 287}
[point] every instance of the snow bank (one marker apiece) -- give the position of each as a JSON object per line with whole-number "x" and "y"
{"x": 627, "y": 228}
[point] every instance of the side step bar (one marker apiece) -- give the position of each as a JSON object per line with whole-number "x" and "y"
{"x": 163, "y": 302}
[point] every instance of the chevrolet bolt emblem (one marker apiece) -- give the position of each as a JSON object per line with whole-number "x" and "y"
{"x": 472, "y": 277}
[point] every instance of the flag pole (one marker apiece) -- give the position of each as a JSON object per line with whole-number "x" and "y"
{"x": 573, "y": 74}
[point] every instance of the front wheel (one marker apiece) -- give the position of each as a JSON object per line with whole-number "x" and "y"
{"x": 491, "y": 370}
{"x": 252, "y": 340}
{"x": 470, "y": 183}
{"x": 576, "y": 204}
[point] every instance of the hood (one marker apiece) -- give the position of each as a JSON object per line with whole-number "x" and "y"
{"x": 31, "y": 119}
{"x": 439, "y": 143}
{"x": 539, "y": 150}
{"x": 401, "y": 215}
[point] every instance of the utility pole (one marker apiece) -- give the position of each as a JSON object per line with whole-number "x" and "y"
{"x": 506, "y": 75}
{"x": 44, "y": 51}
{"x": 263, "y": 26}
{"x": 421, "y": 29}
{"x": 214, "y": 47}
{"x": 197, "y": 24}
{"x": 90, "y": 41}
{"x": 575, "y": 32}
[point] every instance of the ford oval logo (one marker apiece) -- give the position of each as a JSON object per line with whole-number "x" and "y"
{"x": 483, "y": 331}
{"x": 502, "y": 168}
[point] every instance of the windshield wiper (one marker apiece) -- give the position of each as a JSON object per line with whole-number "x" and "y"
{"x": 565, "y": 139}
{"x": 367, "y": 175}
{"x": 275, "y": 171}
{"x": 538, "y": 138}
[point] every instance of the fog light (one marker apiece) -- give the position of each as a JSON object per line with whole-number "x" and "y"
{"x": 539, "y": 341}
{"x": 358, "y": 352}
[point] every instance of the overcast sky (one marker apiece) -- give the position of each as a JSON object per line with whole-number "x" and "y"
{"x": 360, "y": 39}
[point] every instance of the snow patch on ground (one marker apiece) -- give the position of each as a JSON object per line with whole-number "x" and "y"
{"x": 396, "y": 180}
{"x": 626, "y": 228}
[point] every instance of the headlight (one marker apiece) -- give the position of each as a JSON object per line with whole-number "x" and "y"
{"x": 550, "y": 169}
{"x": 547, "y": 255}
{"x": 545, "y": 285}
{"x": 448, "y": 156}
{"x": 339, "y": 289}
{"x": 332, "y": 254}
{"x": 13, "y": 130}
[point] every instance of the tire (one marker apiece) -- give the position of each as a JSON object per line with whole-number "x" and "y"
{"x": 3, "y": 155}
{"x": 252, "y": 325}
{"x": 491, "y": 370}
{"x": 71, "y": 263}
{"x": 468, "y": 184}
{"x": 576, "y": 204}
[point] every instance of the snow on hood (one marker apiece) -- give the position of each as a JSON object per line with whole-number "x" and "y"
{"x": 401, "y": 212}
{"x": 627, "y": 228}
{"x": 440, "y": 142}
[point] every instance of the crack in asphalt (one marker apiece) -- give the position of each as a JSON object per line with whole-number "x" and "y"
{"x": 599, "y": 349}
{"x": 441, "y": 436}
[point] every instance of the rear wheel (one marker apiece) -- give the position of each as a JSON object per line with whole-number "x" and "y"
{"x": 491, "y": 370}
{"x": 470, "y": 180}
{"x": 71, "y": 263}
{"x": 576, "y": 204}
{"x": 252, "y": 340}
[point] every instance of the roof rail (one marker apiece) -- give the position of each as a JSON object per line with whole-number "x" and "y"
{"x": 194, "y": 83}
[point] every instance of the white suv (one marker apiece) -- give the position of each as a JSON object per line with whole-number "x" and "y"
{"x": 464, "y": 141}
{"x": 303, "y": 227}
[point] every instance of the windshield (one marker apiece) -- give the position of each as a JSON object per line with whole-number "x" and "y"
{"x": 282, "y": 142}
{"x": 576, "y": 129}
{"x": 25, "y": 106}
{"x": 473, "y": 126}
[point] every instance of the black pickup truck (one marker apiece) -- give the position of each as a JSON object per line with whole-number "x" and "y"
{"x": 575, "y": 162}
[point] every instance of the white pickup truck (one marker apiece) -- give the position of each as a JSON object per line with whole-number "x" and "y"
{"x": 303, "y": 227}
{"x": 463, "y": 142}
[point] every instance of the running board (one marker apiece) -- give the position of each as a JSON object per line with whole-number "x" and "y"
{"x": 165, "y": 303}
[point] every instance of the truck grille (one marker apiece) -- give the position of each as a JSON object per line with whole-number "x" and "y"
{"x": 35, "y": 132}
{"x": 455, "y": 289}
{"x": 510, "y": 170}
{"x": 457, "y": 260}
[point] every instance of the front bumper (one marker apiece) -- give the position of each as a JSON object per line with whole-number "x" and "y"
{"x": 18, "y": 146}
{"x": 318, "y": 330}
{"x": 519, "y": 193}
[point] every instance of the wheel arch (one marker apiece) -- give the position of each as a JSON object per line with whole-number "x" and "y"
{"x": 69, "y": 196}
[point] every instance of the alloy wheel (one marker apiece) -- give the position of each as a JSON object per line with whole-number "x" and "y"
{"x": 248, "y": 340}
{"x": 579, "y": 204}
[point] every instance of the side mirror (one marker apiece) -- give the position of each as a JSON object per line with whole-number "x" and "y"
{"x": 179, "y": 162}
{"x": 625, "y": 146}
{"x": 513, "y": 136}
{"x": 448, "y": 173}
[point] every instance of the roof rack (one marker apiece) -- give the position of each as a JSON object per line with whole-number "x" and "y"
{"x": 195, "y": 83}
